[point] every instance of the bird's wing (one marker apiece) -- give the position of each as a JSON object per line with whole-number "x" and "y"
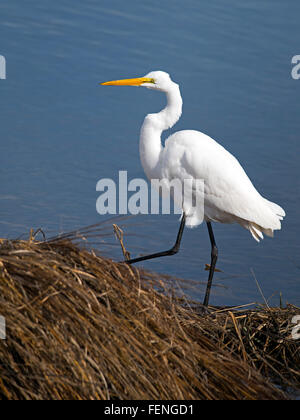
{"x": 229, "y": 194}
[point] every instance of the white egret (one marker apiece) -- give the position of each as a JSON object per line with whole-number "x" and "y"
{"x": 229, "y": 195}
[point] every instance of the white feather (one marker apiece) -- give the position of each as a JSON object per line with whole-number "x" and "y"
{"x": 229, "y": 195}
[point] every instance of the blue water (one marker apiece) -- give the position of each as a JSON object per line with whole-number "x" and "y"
{"x": 61, "y": 132}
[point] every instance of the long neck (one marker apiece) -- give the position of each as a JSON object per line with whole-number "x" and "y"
{"x": 154, "y": 124}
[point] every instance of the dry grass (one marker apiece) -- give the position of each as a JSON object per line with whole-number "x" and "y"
{"x": 262, "y": 338}
{"x": 80, "y": 326}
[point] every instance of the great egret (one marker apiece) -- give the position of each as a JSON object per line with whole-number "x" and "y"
{"x": 229, "y": 195}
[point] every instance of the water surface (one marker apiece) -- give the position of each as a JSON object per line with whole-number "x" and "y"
{"x": 61, "y": 132}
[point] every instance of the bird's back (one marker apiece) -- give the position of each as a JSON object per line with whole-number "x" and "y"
{"x": 229, "y": 195}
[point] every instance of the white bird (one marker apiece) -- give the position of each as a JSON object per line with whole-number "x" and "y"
{"x": 229, "y": 195}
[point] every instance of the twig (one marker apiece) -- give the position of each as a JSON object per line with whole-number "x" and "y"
{"x": 259, "y": 288}
{"x": 120, "y": 236}
{"x": 238, "y": 332}
{"x": 33, "y": 234}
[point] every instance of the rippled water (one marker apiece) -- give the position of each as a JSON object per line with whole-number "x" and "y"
{"x": 61, "y": 132}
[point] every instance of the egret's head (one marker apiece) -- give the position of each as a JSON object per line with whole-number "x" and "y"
{"x": 156, "y": 80}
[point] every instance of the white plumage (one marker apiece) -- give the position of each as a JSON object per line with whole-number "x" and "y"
{"x": 229, "y": 195}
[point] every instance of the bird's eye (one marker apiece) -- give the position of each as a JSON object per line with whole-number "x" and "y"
{"x": 149, "y": 80}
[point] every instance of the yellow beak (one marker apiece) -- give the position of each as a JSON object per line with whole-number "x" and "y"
{"x": 129, "y": 82}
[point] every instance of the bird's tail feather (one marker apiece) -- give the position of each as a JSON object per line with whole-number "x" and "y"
{"x": 276, "y": 209}
{"x": 257, "y": 231}
{"x": 276, "y": 215}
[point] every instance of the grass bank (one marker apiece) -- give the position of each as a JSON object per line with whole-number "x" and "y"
{"x": 80, "y": 326}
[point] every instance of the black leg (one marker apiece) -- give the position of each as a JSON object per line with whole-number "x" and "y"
{"x": 214, "y": 257}
{"x": 171, "y": 251}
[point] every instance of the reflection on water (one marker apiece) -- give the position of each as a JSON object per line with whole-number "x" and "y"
{"x": 61, "y": 132}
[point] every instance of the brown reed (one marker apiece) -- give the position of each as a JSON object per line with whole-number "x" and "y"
{"x": 80, "y": 326}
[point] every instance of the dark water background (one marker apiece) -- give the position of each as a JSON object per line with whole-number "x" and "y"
{"x": 61, "y": 132}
